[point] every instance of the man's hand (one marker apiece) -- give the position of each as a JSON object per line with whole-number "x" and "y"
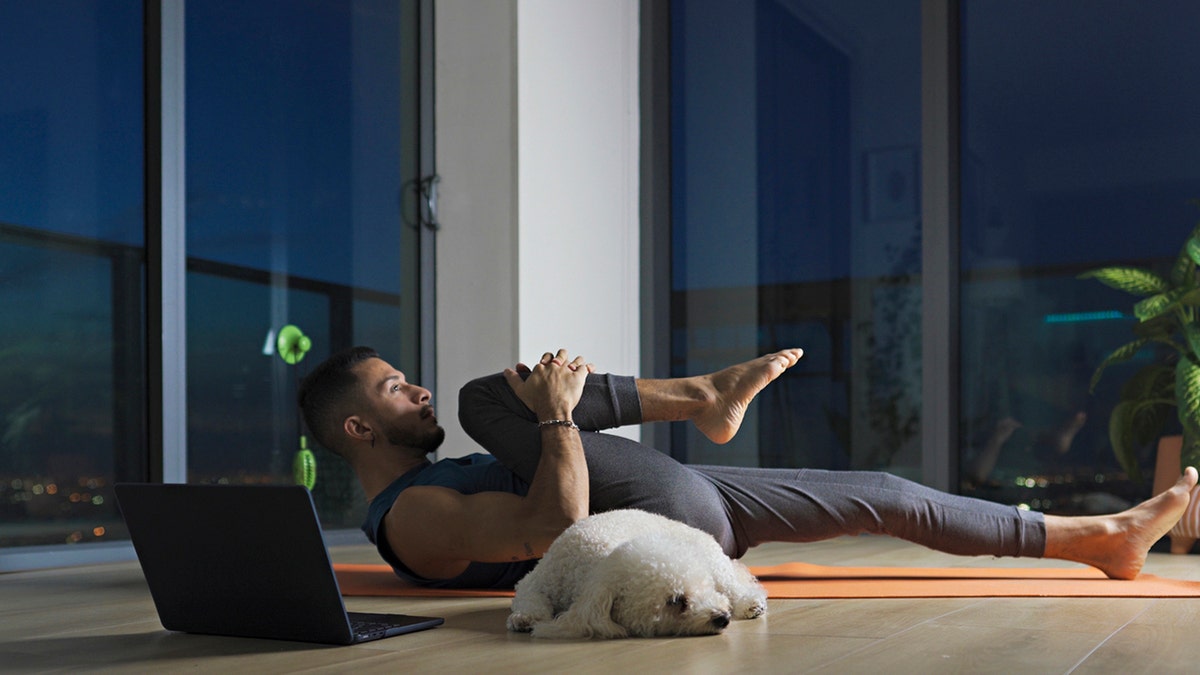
{"x": 554, "y": 385}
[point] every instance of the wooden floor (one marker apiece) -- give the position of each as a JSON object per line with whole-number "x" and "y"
{"x": 101, "y": 618}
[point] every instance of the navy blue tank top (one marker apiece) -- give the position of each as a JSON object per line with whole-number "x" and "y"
{"x": 468, "y": 475}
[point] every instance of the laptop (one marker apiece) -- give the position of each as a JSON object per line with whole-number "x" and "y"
{"x": 246, "y": 561}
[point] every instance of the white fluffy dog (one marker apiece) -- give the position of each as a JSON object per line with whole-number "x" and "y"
{"x": 630, "y": 573}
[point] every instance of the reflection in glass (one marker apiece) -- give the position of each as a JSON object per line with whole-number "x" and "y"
{"x": 1078, "y": 150}
{"x": 295, "y": 167}
{"x": 295, "y": 170}
{"x": 72, "y": 267}
{"x": 795, "y": 203}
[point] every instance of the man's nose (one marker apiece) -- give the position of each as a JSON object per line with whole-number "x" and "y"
{"x": 421, "y": 394}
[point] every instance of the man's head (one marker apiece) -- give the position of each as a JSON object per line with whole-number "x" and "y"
{"x": 355, "y": 398}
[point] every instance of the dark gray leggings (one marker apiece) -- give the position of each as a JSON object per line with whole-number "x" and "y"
{"x": 740, "y": 506}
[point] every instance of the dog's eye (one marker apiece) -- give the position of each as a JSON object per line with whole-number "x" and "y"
{"x": 679, "y": 602}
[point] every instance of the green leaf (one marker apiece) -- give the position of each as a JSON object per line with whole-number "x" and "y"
{"x": 1159, "y": 328}
{"x": 1149, "y": 417}
{"x": 1120, "y": 435}
{"x": 1129, "y": 279}
{"x": 1157, "y": 305}
{"x": 1155, "y": 381}
{"x": 1183, "y": 272}
{"x": 1193, "y": 248}
{"x": 1190, "y": 453}
{"x": 1191, "y": 298}
{"x": 1187, "y": 395}
{"x": 1192, "y": 333}
{"x": 1118, "y": 355}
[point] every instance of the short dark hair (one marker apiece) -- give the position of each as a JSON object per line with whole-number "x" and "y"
{"x": 330, "y": 393}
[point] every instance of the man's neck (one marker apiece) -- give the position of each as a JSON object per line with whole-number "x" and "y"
{"x": 378, "y": 470}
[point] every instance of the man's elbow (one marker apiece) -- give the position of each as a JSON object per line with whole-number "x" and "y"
{"x": 550, "y": 525}
{"x": 560, "y": 522}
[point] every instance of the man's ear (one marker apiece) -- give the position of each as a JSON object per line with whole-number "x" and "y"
{"x": 356, "y": 428}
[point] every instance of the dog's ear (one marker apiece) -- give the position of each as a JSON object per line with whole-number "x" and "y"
{"x": 589, "y": 616}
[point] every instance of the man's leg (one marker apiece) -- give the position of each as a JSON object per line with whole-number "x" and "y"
{"x": 495, "y": 418}
{"x": 716, "y": 402}
{"x": 622, "y": 473}
{"x": 810, "y": 505}
{"x": 743, "y": 507}
{"x": 1117, "y": 544}
{"x": 802, "y": 505}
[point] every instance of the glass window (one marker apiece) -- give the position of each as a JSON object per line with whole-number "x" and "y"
{"x": 795, "y": 129}
{"x": 72, "y": 268}
{"x": 1078, "y": 150}
{"x": 301, "y": 146}
{"x": 296, "y": 167}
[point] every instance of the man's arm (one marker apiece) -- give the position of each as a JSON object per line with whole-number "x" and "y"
{"x": 436, "y": 532}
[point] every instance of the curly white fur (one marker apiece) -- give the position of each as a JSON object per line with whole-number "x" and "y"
{"x": 630, "y": 573}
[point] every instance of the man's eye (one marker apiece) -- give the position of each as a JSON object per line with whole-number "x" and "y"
{"x": 395, "y": 388}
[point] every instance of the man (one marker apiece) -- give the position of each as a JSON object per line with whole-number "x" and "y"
{"x": 484, "y": 520}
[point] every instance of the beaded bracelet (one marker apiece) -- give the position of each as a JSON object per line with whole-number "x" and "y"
{"x": 558, "y": 423}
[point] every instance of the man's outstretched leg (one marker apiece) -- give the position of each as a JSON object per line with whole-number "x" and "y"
{"x": 803, "y": 505}
{"x": 1117, "y": 544}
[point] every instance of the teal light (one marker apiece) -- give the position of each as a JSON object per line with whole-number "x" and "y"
{"x": 1077, "y": 317}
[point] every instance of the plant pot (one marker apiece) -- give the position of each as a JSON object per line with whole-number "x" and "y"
{"x": 1166, "y": 472}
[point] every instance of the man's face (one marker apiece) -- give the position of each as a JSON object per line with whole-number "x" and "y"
{"x": 400, "y": 412}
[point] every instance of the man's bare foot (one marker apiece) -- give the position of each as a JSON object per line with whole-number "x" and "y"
{"x": 731, "y": 390}
{"x": 1004, "y": 429}
{"x": 981, "y": 468}
{"x": 1118, "y": 544}
{"x": 1065, "y": 434}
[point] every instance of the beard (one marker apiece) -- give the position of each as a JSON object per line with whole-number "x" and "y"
{"x": 426, "y": 442}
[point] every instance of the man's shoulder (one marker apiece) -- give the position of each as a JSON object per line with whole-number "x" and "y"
{"x": 455, "y": 467}
{"x": 478, "y": 472}
{"x": 475, "y": 458}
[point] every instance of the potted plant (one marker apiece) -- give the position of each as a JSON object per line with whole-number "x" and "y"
{"x": 1168, "y": 314}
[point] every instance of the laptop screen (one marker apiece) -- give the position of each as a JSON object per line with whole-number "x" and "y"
{"x": 236, "y": 560}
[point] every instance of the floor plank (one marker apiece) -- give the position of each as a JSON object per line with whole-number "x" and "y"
{"x": 102, "y": 619}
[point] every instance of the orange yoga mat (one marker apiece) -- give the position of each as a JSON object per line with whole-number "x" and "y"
{"x": 802, "y": 580}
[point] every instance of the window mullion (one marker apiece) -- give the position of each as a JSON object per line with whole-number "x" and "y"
{"x": 166, "y": 239}
{"x": 939, "y": 237}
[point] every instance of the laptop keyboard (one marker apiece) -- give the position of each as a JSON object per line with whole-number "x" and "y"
{"x": 369, "y": 626}
{"x": 365, "y": 630}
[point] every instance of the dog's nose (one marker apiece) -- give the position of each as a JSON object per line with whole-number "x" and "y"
{"x": 720, "y": 620}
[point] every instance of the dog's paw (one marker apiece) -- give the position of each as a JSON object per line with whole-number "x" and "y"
{"x": 521, "y": 623}
{"x": 752, "y": 610}
{"x": 750, "y": 606}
